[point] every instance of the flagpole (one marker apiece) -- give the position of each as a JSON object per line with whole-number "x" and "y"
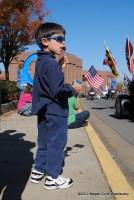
{"x": 124, "y": 72}
{"x": 129, "y": 53}
{"x": 124, "y": 75}
{"x": 113, "y": 62}
{"x": 128, "y": 47}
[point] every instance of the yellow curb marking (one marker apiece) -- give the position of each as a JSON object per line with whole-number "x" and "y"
{"x": 115, "y": 177}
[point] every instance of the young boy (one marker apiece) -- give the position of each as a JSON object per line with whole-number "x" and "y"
{"x": 50, "y": 104}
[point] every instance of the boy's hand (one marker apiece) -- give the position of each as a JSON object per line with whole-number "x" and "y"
{"x": 63, "y": 61}
{"x": 77, "y": 86}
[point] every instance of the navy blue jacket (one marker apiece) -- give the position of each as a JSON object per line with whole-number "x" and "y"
{"x": 49, "y": 91}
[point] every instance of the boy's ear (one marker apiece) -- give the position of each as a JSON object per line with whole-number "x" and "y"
{"x": 44, "y": 41}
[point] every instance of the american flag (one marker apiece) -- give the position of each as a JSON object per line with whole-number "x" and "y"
{"x": 93, "y": 78}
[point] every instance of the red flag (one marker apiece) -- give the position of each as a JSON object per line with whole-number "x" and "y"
{"x": 129, "y": 52}
{"x": 93, "y": 78}
{"x": 105, "y": 62}
{"x": 132, "y": 66}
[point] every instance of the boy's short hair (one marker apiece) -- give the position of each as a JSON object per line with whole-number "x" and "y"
{"x": 46, "y": 30}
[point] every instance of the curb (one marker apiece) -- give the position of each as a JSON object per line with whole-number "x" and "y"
{"x": 7, "y": 107}
{"x": 120, "y": 187}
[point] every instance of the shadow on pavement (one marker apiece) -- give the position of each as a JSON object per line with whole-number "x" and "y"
{"x": 70, "y": 148}
{"x": 97, "y": 108}
{"x": 16, "y": 161}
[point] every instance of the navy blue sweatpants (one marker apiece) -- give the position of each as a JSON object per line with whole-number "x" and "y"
{"x": 52, "y": 138}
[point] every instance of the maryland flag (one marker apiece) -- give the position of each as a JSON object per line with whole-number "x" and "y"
{"x": 109, "y": 60}
{"x": 129, "y": 53}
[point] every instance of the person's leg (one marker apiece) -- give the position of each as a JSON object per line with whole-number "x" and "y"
{"x": 41, "y": 154}
{"x": 26, "y": 110}
{"x": 56, "y": 141}
{"x": 21, "y": 92}
{"x": 72, "y": 125}
{"x": 80, "y": 119}
{"x": 21, "y": 89}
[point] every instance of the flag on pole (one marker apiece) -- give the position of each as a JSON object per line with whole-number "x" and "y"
{"x": 127, "y": 79}
{"x": 87, "y": 84}
{"x": 132, "y": 66}
{"x": 93, "y": 78}
{"x": 102, "y": 89}
{"x": 109, "y": 60}
{"x": 129, "y": 52}
{"x": 106, "y": 88}
{"x": 113, "y": 83}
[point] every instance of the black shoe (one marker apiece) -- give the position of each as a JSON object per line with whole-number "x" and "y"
{"x": 85, "y": 123}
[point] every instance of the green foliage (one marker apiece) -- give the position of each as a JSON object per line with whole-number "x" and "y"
{"x": 8, "y": 91}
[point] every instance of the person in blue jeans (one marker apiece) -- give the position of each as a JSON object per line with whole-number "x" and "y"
{"x": 76, "y": 120}
{"x": 21, "y": 80}
{"x": 50, "y": 104}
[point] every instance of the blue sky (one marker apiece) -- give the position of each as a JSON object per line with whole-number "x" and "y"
{"x": 89, "y": 23}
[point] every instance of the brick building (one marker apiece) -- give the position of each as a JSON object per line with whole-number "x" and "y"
{"x": 72, "y": 71}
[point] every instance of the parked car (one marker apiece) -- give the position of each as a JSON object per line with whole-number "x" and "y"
{"x": 124, "y": 103}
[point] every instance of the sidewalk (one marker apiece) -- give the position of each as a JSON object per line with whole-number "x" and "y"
{"x": 17, "y": 150}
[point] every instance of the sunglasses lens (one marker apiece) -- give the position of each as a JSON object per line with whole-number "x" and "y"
{"x": 57, "y": 38}
{"x": 60, "y": 39}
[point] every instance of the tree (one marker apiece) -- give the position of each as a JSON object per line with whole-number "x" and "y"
{"x": 2, "y": 3}
{"x": 18, "y": 21}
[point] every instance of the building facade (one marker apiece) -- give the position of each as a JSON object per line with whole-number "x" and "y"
{"x": 72, "y": 71}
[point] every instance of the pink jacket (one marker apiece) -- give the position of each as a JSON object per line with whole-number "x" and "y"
{"x": 24, "y": 99}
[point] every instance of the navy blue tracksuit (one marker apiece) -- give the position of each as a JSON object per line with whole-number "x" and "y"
{"x": 50, "y": 103}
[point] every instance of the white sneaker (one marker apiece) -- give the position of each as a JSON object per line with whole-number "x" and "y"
{"x": 60, "y": 182}
{"x": 36, "y": 176}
